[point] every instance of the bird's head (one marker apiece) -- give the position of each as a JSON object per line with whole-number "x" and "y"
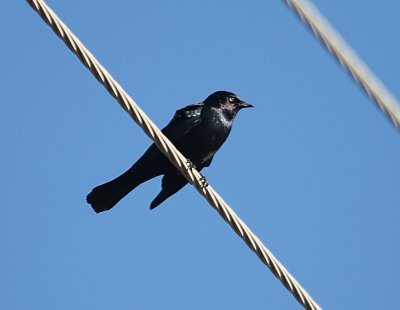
{"x": 227, "y": 102}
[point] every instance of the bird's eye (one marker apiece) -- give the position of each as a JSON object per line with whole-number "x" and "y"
{"x": 232, "y": 99}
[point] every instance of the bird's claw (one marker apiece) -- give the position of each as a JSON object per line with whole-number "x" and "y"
{"x": 190, "y": 164}
{"x": 203, "y": 181}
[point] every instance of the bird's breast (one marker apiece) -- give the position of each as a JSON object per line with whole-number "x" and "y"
{"x": 204, "y": 140}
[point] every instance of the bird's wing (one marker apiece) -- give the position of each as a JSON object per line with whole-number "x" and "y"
{"x": 184, "y": 120}
{"x": 171, "y": 183}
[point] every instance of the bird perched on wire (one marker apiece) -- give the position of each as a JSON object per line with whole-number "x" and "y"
{"x": 197, "y": 131}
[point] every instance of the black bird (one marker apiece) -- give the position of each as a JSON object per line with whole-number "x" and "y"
{"x": 198, "y": 131}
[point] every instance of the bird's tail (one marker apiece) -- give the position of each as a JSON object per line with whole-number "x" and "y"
{"x": 107, "y": 195}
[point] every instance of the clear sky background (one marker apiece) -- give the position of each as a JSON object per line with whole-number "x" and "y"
{"x": 313, "y": 169}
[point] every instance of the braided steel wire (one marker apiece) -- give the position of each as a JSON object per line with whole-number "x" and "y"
{"x": 347, "y": 58}
{"x": 169, "y": 150}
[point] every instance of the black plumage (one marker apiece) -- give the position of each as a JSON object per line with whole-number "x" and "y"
{"x": 198, "y": 131}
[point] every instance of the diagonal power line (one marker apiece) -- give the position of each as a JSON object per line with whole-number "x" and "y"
{"x": 169, "y": 150}
{"x": 347, "y": 58}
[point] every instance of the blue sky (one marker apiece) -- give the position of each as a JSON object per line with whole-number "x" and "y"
{"x": 313, "y": 169}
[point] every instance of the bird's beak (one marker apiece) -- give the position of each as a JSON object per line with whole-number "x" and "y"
{"x": 245, "y": 105}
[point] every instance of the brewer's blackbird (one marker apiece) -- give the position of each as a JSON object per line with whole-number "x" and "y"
{"x": 197, "y": 130}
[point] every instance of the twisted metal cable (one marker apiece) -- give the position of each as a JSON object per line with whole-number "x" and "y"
{"x": 169, "y": 150}
{"x": 347, "y": 58}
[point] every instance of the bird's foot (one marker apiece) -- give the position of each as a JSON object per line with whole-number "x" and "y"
{"x": 203, "y": 181}
{"x": 190, "y": 164}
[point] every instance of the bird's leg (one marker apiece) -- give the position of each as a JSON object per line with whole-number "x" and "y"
{"x": 203, "y": 180}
